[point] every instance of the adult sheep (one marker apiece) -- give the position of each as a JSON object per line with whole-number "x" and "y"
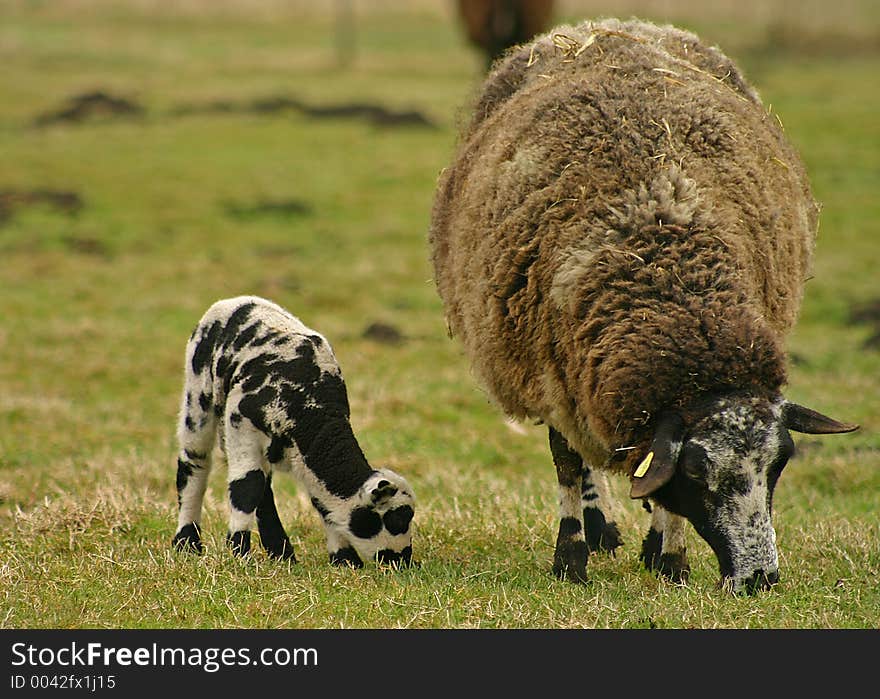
{"x": 621, "y": 244}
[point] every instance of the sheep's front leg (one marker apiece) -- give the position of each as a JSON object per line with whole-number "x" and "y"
{"x": 272, "y": 534}
{"x": 570, "y": 557}
{"x": 664, "y": 549}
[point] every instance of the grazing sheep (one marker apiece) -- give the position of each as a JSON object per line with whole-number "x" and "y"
{"x": 621, "y": 244}
{"x": 272, "y": 390}
{"x": 495, "y": 25}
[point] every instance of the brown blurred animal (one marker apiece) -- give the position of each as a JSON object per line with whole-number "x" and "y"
{"x": 496, "y": 25}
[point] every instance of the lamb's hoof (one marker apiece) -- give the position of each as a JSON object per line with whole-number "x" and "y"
{"x": 239, "y": 542}
{"x": 347, "y": 556}
{"x": 281, "y": 552}
{"x": 601, "y": 535}
{"x": 188, "y": 539}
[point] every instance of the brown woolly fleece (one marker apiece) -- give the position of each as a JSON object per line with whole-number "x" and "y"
{"x": 624, "y": 229}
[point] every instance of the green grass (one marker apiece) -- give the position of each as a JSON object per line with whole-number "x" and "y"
{"x": 97, "y": 307}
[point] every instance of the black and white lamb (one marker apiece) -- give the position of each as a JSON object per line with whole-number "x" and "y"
{"x": 621, "y": 244}
{"x": 271, "y": 389}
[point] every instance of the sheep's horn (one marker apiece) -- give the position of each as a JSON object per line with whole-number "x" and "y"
{"x": 800, "y": 419}
{"x": 658, "y": 466}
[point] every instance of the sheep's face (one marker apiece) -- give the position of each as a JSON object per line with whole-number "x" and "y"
{"x": 722, "y": 470}
{"x": 727, "y": 470}
{"x": 378, "y": 525}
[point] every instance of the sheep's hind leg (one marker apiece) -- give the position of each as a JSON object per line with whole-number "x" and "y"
{"x": 247, "y": 485}
{"x": 196, "y": 435}
{"x": 570, "y": 556}
{"x": 272, "y": 534}
{"x": 601, "y": 534}
{"x": 663, "y": 549}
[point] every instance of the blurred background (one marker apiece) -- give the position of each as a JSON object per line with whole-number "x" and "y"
{"x": 157, "y": 155}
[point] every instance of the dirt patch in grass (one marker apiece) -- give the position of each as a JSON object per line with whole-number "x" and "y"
{"x": 383, "y": 333}
{"x": 12, "y": 200}
{"x": 868, "y": 313}
{"x": 374, "y": 114}
{"x": 90, "y": 105}
{"x": 280, "y": 208}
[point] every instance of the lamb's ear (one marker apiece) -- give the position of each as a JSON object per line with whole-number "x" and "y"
{"x": 383, "y": 491}
{"x": 658, "y": 466}
{"x": 800, "y": 419}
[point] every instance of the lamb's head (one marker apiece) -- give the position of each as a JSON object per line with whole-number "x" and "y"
{"x": 717, "y": 464}
{"x": 378, "y": 524}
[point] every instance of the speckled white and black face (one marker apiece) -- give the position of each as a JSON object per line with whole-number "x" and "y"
{"x": 727, "y": 470}
{"x": 378, "y": 525}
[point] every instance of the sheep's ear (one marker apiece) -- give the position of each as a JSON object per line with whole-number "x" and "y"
{"x": 383, "y": 491}
{"x": 658, "y": 466}
{"x": 800, "y": 419}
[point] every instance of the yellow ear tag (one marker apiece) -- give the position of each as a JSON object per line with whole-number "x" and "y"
{"x": 645, "y": 465}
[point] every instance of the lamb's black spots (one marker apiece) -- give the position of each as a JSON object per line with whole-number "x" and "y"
{"x": 184, "y": 471}
{"x": 245, "y": 337}
{"x": 237, "y": 319}
{"x": 365, "y": 522}
{"x": 239, "y": 543}
{"x": 272, "y": 534}
{"x": 188, "y": 539}
{"x": 234, "y": 418}
{"x": 205, "y": 348}
{"x": 205, "y": 401}
{"x": 247, "y": 492}
{"x": 404, "y": 557}
{"x": 323, "y": 511}
{"x": 276, "y": 448}
{"x": 346, "y": 556}
{"x": 397, "y": 520}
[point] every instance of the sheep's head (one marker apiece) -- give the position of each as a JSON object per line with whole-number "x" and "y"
{"x": 378, "y": 525}
{"x": 717, "y": 464}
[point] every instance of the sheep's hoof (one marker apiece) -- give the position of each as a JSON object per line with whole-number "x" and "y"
{"x": 188, "y": 539}
{"x": 673, "y": 566}
{"x": 346, "y": 556}
{"x": 601, "y": 535}
{"x": 239, "y": 542}
{"x": 570, "y": 561}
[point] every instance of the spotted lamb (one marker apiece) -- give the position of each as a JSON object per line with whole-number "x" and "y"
{"x": 271, "y": 389}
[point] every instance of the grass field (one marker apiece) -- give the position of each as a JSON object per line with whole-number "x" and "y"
{"x": 203, "y": 193}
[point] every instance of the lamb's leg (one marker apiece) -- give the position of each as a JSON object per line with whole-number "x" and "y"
{"x": 247, "y": 483}
{"x": 664, "y": 548}
{"x": 272, "y": 534}
{"x": 196, "y": 434}
{"x": 601, "y": 535}
{"x": 570, "y": 557}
